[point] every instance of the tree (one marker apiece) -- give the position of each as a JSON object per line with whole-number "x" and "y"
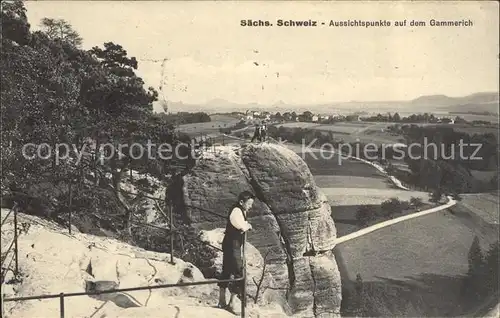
{"x": 15, "y": 26}
{"x": 476, "y": 274}
{"x": 460, "y": 120}
{"x": 396, "y": 117}
{"x": 114, "y": 57}
{"x": 59, "y": 29}
{"x": 307, "y": 116}
{"x": 56, "y": 93}
{"x": 475, "y": 257}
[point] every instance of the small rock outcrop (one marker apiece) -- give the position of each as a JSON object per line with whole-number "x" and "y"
{"x": 291, "y": 218}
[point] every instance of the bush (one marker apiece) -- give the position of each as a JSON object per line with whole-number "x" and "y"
{"x": 416, "y": 202}
{"x": 199, "y": 253}
{"x": 391, "y": 207}
{"x": 435, "y": 196}
{"x": 188, "y": 246}
{"x": 365, "y": 214}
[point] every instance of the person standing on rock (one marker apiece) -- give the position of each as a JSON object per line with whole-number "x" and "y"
{"x": 263, "y": 133}
{"x": 232, "y": 248}
{"x": 257, "y": 133}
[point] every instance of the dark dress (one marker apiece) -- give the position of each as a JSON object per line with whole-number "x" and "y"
{"x": 263, "y": 134}
{"x": 257, "y": 135}
{"x": 232, "y": 261}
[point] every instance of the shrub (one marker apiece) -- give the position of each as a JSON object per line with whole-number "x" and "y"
{"x": 391, "y": 207}
{"x": 405, "y": 205}
{"x": 188, "y": 246}
{"x": 436, "y": 195}
{"x": 365, "y": 214}
{"x": 198, "y": 252}
{"x": 416, "y": 202}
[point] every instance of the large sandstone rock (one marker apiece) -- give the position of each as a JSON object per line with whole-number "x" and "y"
{"x": 290, "y": 217}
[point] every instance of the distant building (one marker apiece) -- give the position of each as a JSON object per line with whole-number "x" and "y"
{"x": 315, "y": 118}
{"x": 248, "y": 115}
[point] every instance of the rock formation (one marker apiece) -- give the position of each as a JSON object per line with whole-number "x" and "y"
{"x": 291, "y": 219}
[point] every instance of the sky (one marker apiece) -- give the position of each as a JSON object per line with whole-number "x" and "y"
{"x": 210, "y": 56}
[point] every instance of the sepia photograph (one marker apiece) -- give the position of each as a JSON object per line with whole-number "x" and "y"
{"x": 256, "y": 159}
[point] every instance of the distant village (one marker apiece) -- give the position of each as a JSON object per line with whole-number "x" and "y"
{"x": 307, "y": 116}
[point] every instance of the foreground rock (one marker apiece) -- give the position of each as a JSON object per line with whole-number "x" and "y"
{"x": 291, "y": 220}
{"x": 52, "y": 262}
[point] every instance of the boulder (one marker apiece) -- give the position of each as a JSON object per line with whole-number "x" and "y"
{"x": 291, "y": 219}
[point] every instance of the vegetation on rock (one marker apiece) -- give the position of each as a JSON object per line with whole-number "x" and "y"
{"x": 79, "y": 106}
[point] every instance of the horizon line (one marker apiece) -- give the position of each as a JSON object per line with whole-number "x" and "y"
{"x": 280, "y": 101}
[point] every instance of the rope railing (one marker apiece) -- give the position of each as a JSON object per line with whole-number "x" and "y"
{"x": 63, "y": 295}
{"x": 13, "y": 246}
{"x": 205, "y": 210}
{"x": 6, "y": 217}
{"x": 170, "y": 229}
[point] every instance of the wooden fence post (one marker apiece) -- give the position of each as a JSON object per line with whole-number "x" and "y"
{"x": 16, "y": 246}
{"x": 70, "y": 202}
{"x": 244, "y": 289}
{"x": 61, "y": 304}
{"x": 172, "y": 230}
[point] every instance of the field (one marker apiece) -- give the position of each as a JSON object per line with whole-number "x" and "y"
{"x": 350, "y": 132}
{"x": 342, "y": 173}
{"x": 493, "y": 129}
{"x": 372, "y": 132}
{"x": 346, "y": 128}
{"x": 485, "y": 205}
{"x": 414, "y": 268}
{"x": 472, "y": 117}
{"x": 484, "y": 176}
{"x": 345, "y": 196}
{"x": 209, "y": 128}
{"x": 345, "y": 202}
{"x": 343, "y": 128}
{"x": 345, "y": 215}
{"x": 479, "y": 130}
{"x": 298, "y": 125}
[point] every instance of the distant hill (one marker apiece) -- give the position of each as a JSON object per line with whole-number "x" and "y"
{"x": 483, "y": 102}
{"x": 474, "y": 103}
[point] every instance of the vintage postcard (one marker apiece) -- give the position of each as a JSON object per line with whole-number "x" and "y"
{"x": 249, "y": 158}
